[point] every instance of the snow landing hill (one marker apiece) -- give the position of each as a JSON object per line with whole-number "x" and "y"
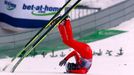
{"x": 102, "y": 65}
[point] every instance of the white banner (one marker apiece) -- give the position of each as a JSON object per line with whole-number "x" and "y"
{"x": 30, "y": 9}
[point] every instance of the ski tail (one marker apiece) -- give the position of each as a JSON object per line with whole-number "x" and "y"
{"x": 45, "y": 35}
{"x": 37, "y": 34}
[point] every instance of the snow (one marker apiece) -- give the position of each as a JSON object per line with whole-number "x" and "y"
{"x": 101, "y": 3}
{"x": 113, "y": 65}
{"x": 102, "y": 65}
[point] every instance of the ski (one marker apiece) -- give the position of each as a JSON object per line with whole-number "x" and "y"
{"x": 37, "y": 34}
{"x": 44, "y": 27}
{"x": 45, "y": 34}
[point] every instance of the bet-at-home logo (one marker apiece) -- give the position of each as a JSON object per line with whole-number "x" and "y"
{"x": 9, "y": 5}
{"x": 40, "y": 10}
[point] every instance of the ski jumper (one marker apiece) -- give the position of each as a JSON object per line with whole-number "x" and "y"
{"x": 82, "y": 51}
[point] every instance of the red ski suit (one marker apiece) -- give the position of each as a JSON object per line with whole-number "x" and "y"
{"x": 81, "y": 50}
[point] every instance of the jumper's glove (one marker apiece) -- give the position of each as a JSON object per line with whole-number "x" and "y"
{"x": 63, "y": 62}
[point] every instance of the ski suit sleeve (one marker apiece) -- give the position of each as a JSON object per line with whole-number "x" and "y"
{"x": 75, "y": 54}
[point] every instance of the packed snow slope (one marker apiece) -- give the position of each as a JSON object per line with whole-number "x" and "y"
{"x": 100, "y": 3}
{"x": 102, "y": 65}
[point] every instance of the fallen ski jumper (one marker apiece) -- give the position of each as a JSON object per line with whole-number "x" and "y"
{"x": 82, "y": 51}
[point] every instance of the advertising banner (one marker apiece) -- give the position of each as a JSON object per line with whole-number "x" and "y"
{"x": 28, "y": 13}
